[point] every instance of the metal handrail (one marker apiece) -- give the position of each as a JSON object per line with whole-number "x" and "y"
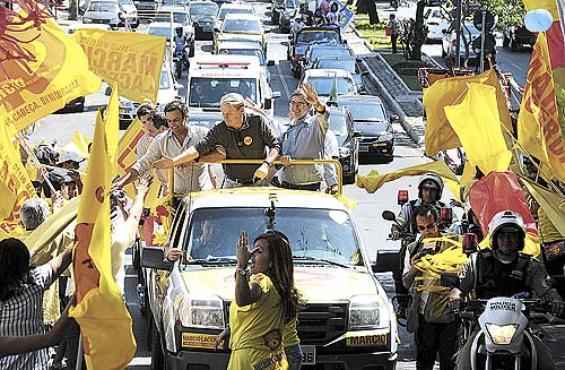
{"x": 334, "y": 162}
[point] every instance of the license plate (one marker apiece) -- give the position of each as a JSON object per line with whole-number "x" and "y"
{"x": 363, "y": 148}
{"x": 308, "y": 355}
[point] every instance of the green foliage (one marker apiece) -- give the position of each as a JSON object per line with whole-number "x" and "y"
{"x": 509, "y": 12}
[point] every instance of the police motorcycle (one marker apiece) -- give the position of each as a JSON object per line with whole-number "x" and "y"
{"x": 500, "y": 333}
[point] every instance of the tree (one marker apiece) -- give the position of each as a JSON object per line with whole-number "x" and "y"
{"x": 509, "y": 12}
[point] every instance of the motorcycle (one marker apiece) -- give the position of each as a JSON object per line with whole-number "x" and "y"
{"x": 180, "y": 59}
{"x": 502, "y": 333}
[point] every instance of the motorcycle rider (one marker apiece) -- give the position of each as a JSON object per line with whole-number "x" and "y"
{"x": 503, "y": 270}
{"x": 430, "y": 189}
{"x": 180, "y": 46}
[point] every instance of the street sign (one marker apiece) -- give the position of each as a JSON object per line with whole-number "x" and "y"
{"x": 490, "y": 20}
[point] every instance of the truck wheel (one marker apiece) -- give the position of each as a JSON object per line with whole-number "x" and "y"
{"x": 157, "y": 358}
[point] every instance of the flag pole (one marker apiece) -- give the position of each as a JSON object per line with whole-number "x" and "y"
{"x": 79, "y": 354}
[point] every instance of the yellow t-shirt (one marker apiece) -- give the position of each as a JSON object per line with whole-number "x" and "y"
{"x": 290, "y": 334}
{"x": 256, "y": 331}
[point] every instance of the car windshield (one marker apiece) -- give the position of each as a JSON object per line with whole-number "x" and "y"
{"x": 126, "y": 2}
{"x": 324, "y": 52}
{"x": 160, "y": 31}
{"x": 242, "y": 26}
{"x": 313, "y": 233}
{"x": 290, "y": 4}
{"x": 200, "y": 10}
{"x": 324, "y": 85}
{"x": 338, "y": 124}
{"x": 165, "y": 82}
{"x": 346, "y": 64}
{"x": 252, "y": 52}
{"x": 207, "y": 92}
{"x": 178, "y": 17}
{"x": 308, "y": 37}
{"x": 103, "y": 6}
{"x": 366, "y": 112}
{"x": 175, "y": 2}
{"x": 224, "y": 11}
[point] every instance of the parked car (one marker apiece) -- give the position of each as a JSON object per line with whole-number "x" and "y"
{"x": 316, "y": 51}
{"x": 168, "y": 91}
{"x": 146, "y": 8}
{"x": 330, "y": 81}
{"x": 372, "y": 124}
{"x": 180, "y": 17}
{"x": 348, "y": 64}
{"x": 162, "y": 29}
{"x": 246, "y": 48}
{"x": 515, "y": 37}
{"x": 341, "y": 125}
{"x": 436, "y": 22}
{"x": 237, "y": 27}
{"x": 203, "y": 15}
{"x": 233, "y": 8}
{"x": 111, "y": 12}
{"x": 346, "y": 321}
{"x": 469, "y": 35}
{"x": 283, "y": 12}
{"x": 299, "y": 42}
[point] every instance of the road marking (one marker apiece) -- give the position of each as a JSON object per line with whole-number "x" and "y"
{"x": 283, "y": 82}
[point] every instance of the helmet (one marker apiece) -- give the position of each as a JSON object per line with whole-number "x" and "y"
{"x": 506, "y": 219}
{"x": 431, "y": 177}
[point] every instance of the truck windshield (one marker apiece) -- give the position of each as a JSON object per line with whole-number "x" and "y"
{"x": 313, "y": 233}
{"x": 207, "y": 92}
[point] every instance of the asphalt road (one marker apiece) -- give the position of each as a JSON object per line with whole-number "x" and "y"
{"x": 366, "y": 215}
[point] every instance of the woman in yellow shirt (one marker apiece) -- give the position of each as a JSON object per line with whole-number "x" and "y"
{"x": 263, "y": 305}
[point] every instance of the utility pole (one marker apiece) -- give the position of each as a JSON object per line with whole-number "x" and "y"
{"x": 483, "y": 35}
{"x": 458, "y": 11}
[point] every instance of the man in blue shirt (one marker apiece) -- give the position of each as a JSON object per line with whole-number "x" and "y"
{"x": 305, "y": 139}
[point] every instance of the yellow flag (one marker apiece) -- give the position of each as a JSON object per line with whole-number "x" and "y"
{"x": 539, "y": 128}
{"x": 439, "y": 134}
{"x": 374, "y": 181}
{"x": 552, "y": 204}
{"x": 127, "y": 154}
{"x": 104, "y": 320}
{"x": 15, "y": 184}
{"x": 79, "y": 144}
{"x": 43, "y": 70}
{"x": 477, "y": 124}
{"x": 132, "y": 61}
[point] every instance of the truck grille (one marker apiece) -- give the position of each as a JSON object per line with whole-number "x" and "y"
{"x": 318, "y": 323}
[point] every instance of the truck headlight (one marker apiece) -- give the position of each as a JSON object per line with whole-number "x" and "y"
{"x": 501, "y": 334}
{"x": 344, "y": 151}
{"x": 368, "y": 312}
{"x": 202, "y": 312}
{"x": 385, "y": 137}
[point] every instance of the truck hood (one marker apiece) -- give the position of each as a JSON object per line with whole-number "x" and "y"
{"x": 240, "y": 36}
{"x": 316, "y": 283}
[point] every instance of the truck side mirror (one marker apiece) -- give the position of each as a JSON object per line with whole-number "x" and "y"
{"x": 154, "y": 257}
{"x": 387, "y": 260}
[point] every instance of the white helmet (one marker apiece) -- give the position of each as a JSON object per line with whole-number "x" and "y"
{"x": 505, "y": 219}
{"x": 434, "y": 178}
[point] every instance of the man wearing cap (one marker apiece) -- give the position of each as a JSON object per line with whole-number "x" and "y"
{"x": 240, "y": 135}
{"x": 171, "y": 143}
{"x": 306, "y": 138}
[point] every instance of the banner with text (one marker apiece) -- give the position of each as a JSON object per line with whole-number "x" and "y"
{"x": 42, "y": 68}
{"x": 132, "y": 61}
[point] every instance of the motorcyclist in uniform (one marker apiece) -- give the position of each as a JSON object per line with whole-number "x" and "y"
{"x": 503, "y": 271}
{"x": 430, "y": 189}
{"x": 180, "y": 46}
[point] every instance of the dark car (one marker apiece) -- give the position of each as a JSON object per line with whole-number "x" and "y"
{"x": 341, "y": 125}
{"x": 300, "y": 41}
{"x": 515, "y": 37}
{"x": 284, "y": 13}
{"x": 371, "y": 124}
{"x": 203, "y": 15}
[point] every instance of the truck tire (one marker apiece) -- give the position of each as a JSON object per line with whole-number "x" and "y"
{"x": 157, "y": 358}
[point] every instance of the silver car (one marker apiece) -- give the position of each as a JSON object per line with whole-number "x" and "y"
{"x": 111, "y": 12}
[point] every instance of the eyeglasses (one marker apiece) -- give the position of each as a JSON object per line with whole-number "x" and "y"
{"x": 429, "y": 188}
